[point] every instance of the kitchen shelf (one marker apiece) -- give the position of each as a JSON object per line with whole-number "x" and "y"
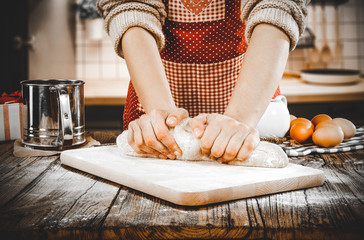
{"x": 106, "y": 92}
{"x": 298, "y": 91}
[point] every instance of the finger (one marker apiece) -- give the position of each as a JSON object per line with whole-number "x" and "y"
{"x": 221, "y": 160}
{"x": 197, "y": 125}
{"x": 139, "y": 141}
{"x": 163, "y": 135}
{"x": 250, "y": 143}
{"x": 234, "y": 145}
{"x": 213, "y": 158}
{"x": 131, "y": 140}
{"x": 149, "y": 137}
{"x": 130, "y": 135}
{"x": 221, "y": 142}
{"x": 176, "y": 117}
{"x": 135, "y": 138}
{"x": 149, "y": 150}
{"x": 208, "y": 138}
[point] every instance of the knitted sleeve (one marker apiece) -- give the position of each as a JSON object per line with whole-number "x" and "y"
{"x": 287, "y": 15}
{"x": 120, "y": 15}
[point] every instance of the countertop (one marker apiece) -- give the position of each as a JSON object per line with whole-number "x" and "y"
{"x": 113, "y": 92}
{"x": 42, "y": 199}
{"x": 298, "y": 91}
{"x": 108, "y": 92}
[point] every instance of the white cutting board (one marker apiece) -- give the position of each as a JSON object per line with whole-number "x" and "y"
{"x": 190, "y": 183}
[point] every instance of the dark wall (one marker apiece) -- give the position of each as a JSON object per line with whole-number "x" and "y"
{"x": 14, "y": 64}
{"x": 104, "y": 118}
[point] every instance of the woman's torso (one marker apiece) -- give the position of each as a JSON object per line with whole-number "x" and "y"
{"x": 202, "y": 56}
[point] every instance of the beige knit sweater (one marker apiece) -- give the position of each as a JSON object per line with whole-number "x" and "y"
{"x": 120, "y": 15}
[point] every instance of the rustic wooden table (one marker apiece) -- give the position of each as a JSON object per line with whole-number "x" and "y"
{"x": 41, "y": 199}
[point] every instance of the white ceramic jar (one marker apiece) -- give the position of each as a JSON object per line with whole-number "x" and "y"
{"x": 275, "y": 121}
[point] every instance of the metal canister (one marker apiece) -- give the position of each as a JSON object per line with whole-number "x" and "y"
{"x": 53, "y": 113}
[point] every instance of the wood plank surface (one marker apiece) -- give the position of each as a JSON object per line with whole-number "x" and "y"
{"x": 41, "y": 199}
{"x": 20, "y": 174}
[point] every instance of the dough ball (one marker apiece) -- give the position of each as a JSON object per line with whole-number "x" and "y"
{"x": 265, "y": 155}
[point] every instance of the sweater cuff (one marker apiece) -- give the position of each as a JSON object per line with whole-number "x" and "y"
{"x": 278, "y": 18}
{"x": 133, "y": 18}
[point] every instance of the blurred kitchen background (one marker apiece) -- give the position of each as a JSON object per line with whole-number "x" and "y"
{"x": 66, "y": 39}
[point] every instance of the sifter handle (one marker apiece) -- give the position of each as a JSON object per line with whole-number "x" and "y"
{"x": 65, "y": 117}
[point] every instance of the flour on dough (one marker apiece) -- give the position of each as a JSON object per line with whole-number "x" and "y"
{"x": 265, "y": 155}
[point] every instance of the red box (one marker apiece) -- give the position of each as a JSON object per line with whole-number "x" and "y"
{"x": 11, "y": 116}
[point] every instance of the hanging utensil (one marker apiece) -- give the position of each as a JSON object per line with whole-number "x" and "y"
{"x": 338, "y": 52}
{"x": 315, "y": 53}
{"x": 325, "y": 51}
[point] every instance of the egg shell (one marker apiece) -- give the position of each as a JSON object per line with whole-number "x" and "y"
{"x": 347, "y": 126}
{"x": 301, "y": 132}
{"x": 329, "y": 136}
{"x": 320, "y": 118}
{"x": 301, "y": 120}
{"x": 292, "y": 117}
{"x": 327, "y": 123}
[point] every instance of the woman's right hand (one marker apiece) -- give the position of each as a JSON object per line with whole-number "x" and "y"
{"x": 149, "y": 134}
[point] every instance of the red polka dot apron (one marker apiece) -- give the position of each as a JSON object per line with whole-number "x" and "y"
{"x": 202, "y": 57}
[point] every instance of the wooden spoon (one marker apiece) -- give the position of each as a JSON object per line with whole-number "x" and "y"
{"x": 314, "y": 54}
{"x": 338, "y": 51}
{"x": 325, "y": 51}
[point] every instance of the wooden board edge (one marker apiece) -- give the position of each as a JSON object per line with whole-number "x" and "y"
{"x": 315, "y": 178}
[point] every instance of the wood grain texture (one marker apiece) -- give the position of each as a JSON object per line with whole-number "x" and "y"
{"x": 19, "y": 174}
{"x": 48, "y": 201}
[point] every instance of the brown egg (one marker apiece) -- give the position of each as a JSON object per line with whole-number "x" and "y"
{"x": 301, "y": 132}
{"x": 326, "y": 123}
{"x": 301, "y": 120}
{"x": 347, "y": 126}
{"x": 328, "y": 136}
{"x": 320, "y": 118}
{"x": 292, "y": 117}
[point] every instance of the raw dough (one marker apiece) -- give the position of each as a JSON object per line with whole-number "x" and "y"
{"x": 265, "y": 155}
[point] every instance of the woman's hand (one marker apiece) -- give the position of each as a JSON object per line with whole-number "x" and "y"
{"x": 149, "y": 134}
{"x": 224, "y": 138}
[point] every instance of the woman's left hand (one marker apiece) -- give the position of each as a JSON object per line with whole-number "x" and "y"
{"x": 224, "y": 138}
